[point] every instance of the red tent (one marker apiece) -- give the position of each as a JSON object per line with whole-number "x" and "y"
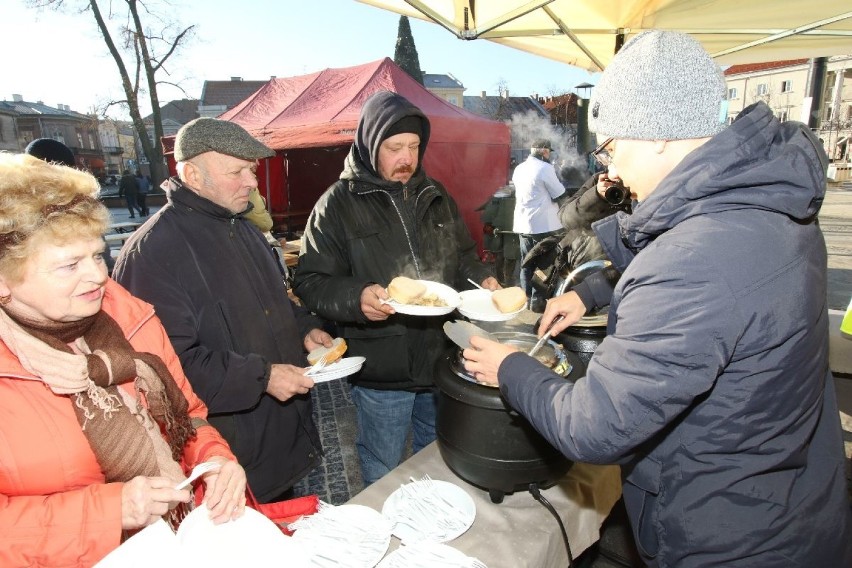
{"x": 310, "y": 121}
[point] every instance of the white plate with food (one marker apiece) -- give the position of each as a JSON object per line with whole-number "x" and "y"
{"x": 339, "y": 369}
{"x": 433, "y": 510}
{"x": 479, "y": 305}
{"x": 422, "y": 297}
{"x": 347, "y": 535}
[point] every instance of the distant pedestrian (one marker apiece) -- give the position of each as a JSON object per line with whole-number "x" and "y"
{"x": 144, "y": 188}
{"x": 537, "y": 190}
{"x": 129, "y": 188}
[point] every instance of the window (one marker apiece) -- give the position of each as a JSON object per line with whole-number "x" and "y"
{"x": 732, "y": 94}
{"x": 452, "y": 99}
{"x": 80, "y": 139}
{"x": 786, "y": 86}
{"x": 782, "y": 115}
{"x": 762, "y": 89}
{"x": 92, "y": 144}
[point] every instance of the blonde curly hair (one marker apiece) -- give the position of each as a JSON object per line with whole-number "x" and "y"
{"x": 44, "y": 203}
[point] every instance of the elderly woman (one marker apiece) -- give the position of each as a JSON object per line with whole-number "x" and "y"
{"x": 99, "y": 423}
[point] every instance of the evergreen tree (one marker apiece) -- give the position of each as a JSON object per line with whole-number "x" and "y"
{"x": 405, "y": 54}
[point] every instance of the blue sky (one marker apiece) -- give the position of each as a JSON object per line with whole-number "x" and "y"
{"x": 60, "y": 58}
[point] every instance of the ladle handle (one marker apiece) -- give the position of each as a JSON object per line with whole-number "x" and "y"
{"x": 543, "y": 339}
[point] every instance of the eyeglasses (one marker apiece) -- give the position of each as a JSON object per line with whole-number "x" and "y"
{"x": 602, "y": 154}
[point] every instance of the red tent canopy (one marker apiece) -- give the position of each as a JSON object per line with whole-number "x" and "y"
{"x": 310, "y": 121}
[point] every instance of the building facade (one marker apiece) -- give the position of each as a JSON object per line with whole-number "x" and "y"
{"x": 26, "y": 121}
{"x": 446, "y": 87}
{"x": 783, "y": 86}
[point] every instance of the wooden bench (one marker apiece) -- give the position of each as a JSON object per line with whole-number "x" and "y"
{"x": 117, "y": 238}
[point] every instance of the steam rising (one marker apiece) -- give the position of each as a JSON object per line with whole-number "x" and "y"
{"x": 528, "y": 127}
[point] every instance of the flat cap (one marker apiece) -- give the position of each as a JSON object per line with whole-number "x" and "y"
{"x": 542, "y": 144}
{"x": 214, "y": 135}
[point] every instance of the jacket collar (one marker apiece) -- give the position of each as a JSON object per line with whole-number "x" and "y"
{"x": 178, "y": 193}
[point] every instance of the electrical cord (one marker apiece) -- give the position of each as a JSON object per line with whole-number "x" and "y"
{"x": 536, "y": 493}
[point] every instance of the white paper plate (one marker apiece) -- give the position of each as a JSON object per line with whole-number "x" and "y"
{"x": 251, "y": 540}
{"x": 339, "y": 369}
{"x": 347, "y": 535}
{"x": 450, "y": 296}
{"x": 477, "y": 305}
{"x": 449, "y": 492}
{"x": 426, "y": 554}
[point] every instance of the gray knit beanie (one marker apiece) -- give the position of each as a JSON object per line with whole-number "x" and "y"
{"x": 214, "y": 135}
{"x": 661, "y": 85}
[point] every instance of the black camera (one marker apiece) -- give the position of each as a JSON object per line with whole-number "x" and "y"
{"x": 617, "y": 194}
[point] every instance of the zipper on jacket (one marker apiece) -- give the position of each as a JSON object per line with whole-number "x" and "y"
{"x": 231, "y": 227}
{"x": 402, "y": 222}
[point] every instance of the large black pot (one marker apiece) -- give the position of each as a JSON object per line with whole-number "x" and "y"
{"x": 483, "y": 440}
{"x": 582, "y": 340}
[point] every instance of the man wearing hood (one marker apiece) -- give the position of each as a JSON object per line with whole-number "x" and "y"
{"x": 385, "y": 218}
{"x": 712, "y": 388}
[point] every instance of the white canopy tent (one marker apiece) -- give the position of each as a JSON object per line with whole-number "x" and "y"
{"x": 587, "y": 33}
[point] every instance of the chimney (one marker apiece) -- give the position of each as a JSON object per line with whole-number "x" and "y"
{"x": 483, "y": 94}
{"x": 60, "y": 106}
{"x": 506, "y": 94}
{"x": 236, "y": 78}
{"x": 17, "y": 98}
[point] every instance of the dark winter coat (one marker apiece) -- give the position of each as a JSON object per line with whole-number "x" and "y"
{"x": 366, "y": 230}
{"x": 128, "y": 186}
{"x": 220, "y": 294}
{"x": 713, "y": 387}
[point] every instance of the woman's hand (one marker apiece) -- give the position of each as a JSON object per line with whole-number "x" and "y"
{"x": 225, "y": 490}
{"x": 568, "y": 305}
{"x": 484, "y": 357}
{"x": 146, "y": 499}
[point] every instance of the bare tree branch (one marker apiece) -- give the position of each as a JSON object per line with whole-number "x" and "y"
{"x": 146, "y": 62}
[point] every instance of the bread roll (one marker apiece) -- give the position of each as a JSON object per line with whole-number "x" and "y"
{"x": 405, "y": 290}
{"x": 509, "y": 299}
{"x": 335, "y": 352}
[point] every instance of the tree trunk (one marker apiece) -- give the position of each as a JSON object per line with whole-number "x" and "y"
{"x": 130, "y": 91}
{"x": 155, "y": 158}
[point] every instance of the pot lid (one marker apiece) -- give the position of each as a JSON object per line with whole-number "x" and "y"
{"x": 460, "y": 332}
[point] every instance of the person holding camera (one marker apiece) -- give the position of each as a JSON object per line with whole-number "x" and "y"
{"x": 602, "y": 195}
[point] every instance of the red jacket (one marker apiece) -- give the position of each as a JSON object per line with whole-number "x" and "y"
{"x": 55, "y": 509}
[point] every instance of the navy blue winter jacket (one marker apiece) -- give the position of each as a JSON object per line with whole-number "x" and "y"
{"x": 712, "y": 388}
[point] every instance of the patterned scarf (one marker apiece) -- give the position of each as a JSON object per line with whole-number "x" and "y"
{"x": 124, "y": 435}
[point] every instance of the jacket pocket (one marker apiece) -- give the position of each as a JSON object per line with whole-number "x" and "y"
{"x": 385, "y": 348}
{"x": 641, "y": 498}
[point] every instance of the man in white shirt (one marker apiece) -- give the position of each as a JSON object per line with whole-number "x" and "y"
{"x": 536, "y": 211}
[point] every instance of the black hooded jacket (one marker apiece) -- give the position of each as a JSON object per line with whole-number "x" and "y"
{"x": 366, "y": 230}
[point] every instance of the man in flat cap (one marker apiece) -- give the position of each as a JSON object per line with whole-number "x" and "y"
{"x": 219, "y": 292}
{"x": 712, "y": 389}
{"x": 537, "y": 190}
{"x": 385, "y": 218}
